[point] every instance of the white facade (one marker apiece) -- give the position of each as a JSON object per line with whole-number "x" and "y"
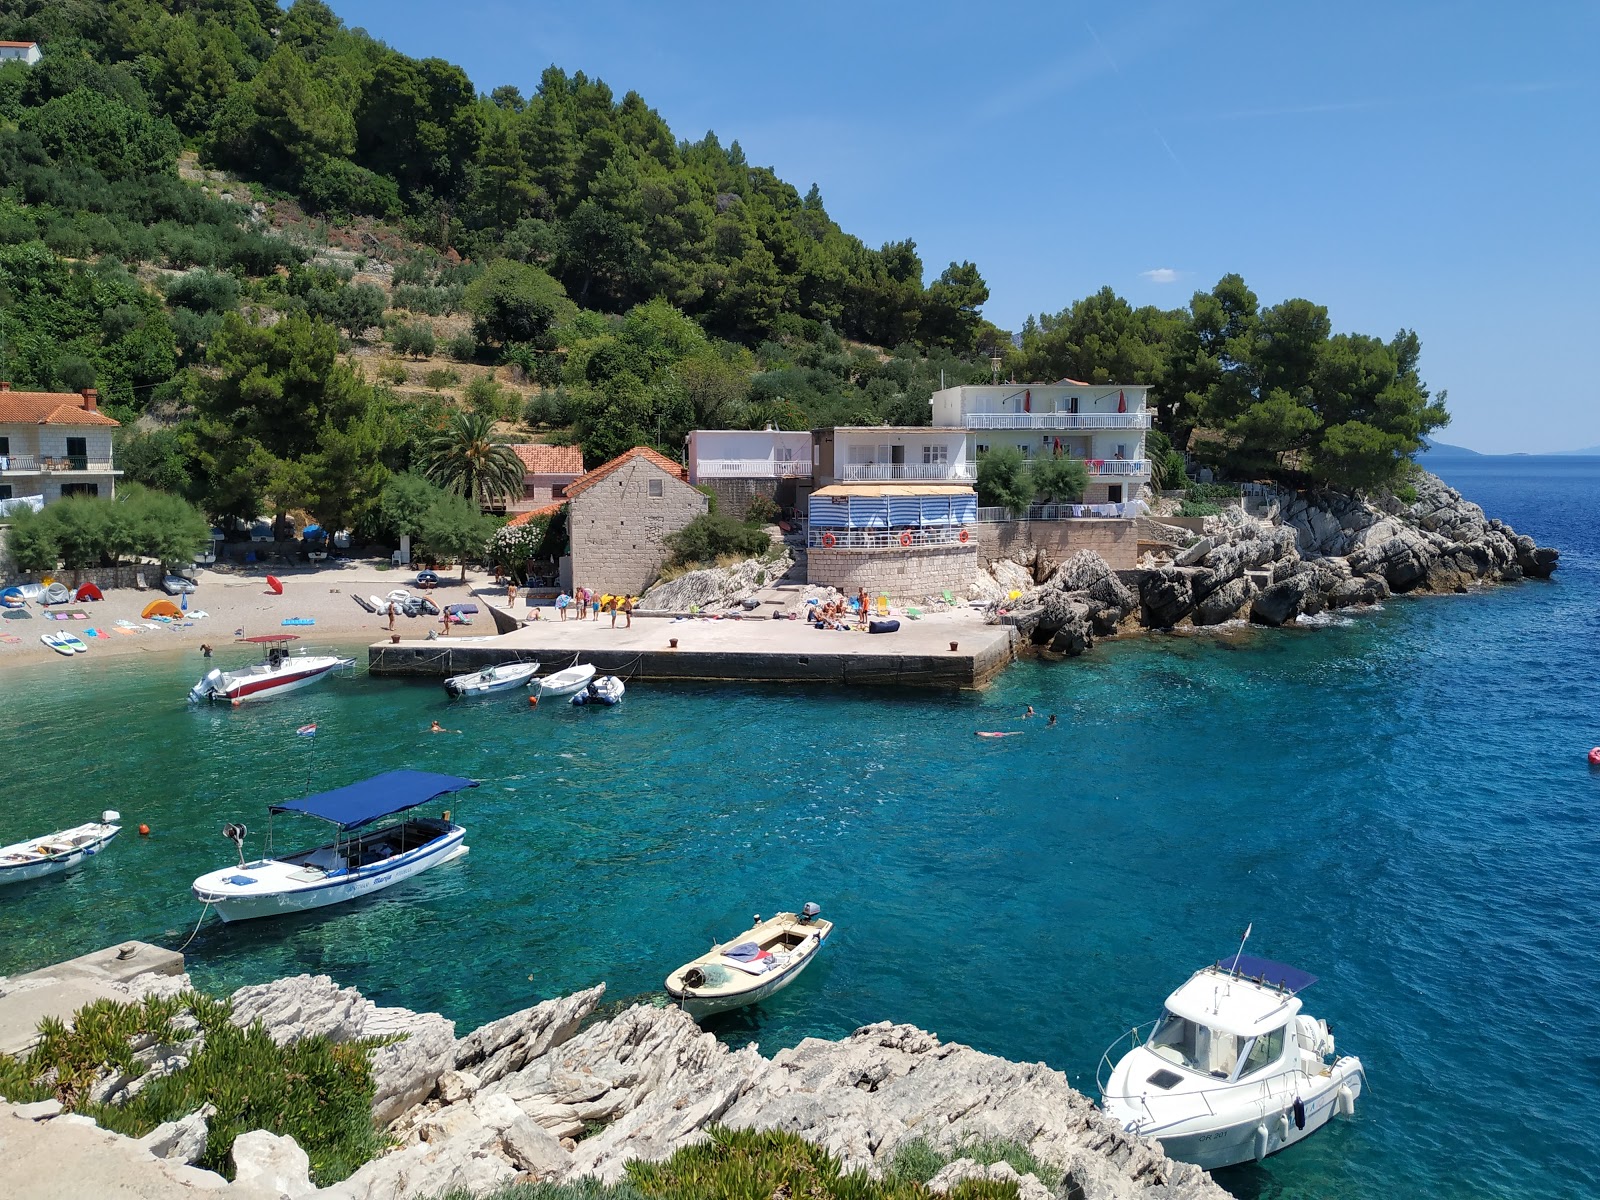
{"x": 748, "y": 454}
{"x": 891, "y": 454}
{"x": 54, "y": 445}
{"x": 25, "y": 52}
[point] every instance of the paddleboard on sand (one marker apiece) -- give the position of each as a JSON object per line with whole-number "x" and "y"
{"x": 56, "y": 643}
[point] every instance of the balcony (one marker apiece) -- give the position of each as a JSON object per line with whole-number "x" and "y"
{"x": 753, "y": 468}
{"x": 29, "y": 464}
{"x": 958, "y": 472}
{"x": 1001, "y": 420}
{"x": 825, "y": 538}
{"x": 1097, "y": 467}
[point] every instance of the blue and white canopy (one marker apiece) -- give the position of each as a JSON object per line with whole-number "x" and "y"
{"x": 360, "y": 803}
{"x": 891, "y": 506}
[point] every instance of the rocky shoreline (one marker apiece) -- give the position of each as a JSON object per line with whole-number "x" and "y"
{"x": 558, "y": 1093}
{"x": 1309, "y": 553}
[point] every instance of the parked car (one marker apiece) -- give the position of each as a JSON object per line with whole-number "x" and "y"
{"x": 177, "y": 585}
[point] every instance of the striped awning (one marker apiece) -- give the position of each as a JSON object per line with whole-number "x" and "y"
{"x": 853, "y": 510}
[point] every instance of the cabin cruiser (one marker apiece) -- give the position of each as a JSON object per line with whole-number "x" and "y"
{"x": 1232, "y": 1070}
{"x": 766, "y": 958}
{"x": 366, "y": 854}
{"x": 280, "y": 673}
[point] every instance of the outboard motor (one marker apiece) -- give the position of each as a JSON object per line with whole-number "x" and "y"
{"x": 207, "y": 687}
{"x": 236, "y": 834}
{"x": 810, "y": 912}
{"x": 110, "y": 817}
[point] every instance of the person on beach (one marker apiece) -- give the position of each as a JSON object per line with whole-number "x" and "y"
{"x": 205, "y": 649}
{"x": 1029, "y": 713}
{"x": 627, "y": 613}
{"x": 594, "y": 606}
{"x": 391, "y": 614}
{"x": 561, "y": 604}
{"x": 511, "y": 595}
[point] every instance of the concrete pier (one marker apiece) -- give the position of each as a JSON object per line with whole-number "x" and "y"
{"x": 752, "y": 651}
{"x": 63, "y": 989}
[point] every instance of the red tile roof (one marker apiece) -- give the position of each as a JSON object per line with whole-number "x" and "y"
{"x": 539, "y": 459}
{"x": 49, "y": 408}
{"x": 677, "y": 470}
{"x": 17, "y": 45}
{"x": 524, "y": 517}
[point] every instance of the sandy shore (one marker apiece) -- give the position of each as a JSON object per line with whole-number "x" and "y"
{"x": 240, "y": 599}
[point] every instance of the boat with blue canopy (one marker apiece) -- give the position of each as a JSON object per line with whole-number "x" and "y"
{"x": 367, "y": 854}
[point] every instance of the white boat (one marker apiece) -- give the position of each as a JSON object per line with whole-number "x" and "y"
{"x": 1232, "y": 1070}
{"x": 499, "y": 678}
{"x": 366, "y": 855}
{"x": 564, "y": 683}
{"x": 766, "y": 958}
{"x": 57, "y": 851}
{"x": 281, "y": 672}
{"x": 607, "y": 689}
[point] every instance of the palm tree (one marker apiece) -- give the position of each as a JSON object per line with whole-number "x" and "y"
{"x": 465, "y": 457}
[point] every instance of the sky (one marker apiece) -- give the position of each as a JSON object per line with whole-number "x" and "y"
{"x": 1429, "y": 166}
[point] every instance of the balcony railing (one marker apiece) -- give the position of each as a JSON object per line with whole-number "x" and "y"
{"x": 927, "y": 472}
{"x": 33, "y": 464}
{"x": 1061, "y": 512}
{"x": 19, "y": 462}
{"x": 1101, "y": 466}
{"x": 887, "y": 539}
{"x": 995, "y": 420}
{"x": 753, "y": 468}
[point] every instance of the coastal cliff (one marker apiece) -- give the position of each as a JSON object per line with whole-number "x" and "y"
{"x": 1307, "y": 553}
{"x": 557, "y": 1093}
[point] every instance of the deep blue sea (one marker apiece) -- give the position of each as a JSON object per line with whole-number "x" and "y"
{"x": 1399, "y": 804}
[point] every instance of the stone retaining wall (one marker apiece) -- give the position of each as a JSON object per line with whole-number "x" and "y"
{"x": 1113, "y": 539}
{"x": 903, "y": 575}
{"x": 734, "y": 495}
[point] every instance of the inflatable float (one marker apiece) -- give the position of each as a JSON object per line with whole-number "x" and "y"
{"x": 1594, "y": 757}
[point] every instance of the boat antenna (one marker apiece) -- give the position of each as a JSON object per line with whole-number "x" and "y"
{"x": 1240, "y": 952}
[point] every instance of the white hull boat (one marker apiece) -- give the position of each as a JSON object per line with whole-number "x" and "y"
{"x": 1232, "y": 1070}
{"x": 364, "y": 856}
{"x": 57, "y": 851}
{"x": 765, "y": 959}
{"x": 608, "y": 689}
{"x": 280, "y": 674}
{"x": 500, "y": 678}
{"x": 564, "y": 683}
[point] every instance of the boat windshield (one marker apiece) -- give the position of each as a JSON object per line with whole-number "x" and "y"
{"x": 1201, "y": 1049}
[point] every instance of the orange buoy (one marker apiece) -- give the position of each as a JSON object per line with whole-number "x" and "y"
{"x": 144, "y": 831}
{"x": 533, "y": 702}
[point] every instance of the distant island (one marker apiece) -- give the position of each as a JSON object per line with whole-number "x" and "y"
{"x": 1444, "y": 450}
{"x": 1587, "y": 451}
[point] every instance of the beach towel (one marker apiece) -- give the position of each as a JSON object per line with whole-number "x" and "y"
{"x": 744, "y": 951}
{"x": 299, "y": 620}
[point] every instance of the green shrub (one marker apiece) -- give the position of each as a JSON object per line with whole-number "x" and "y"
{"x": 392, "y": 372}
{"x": 442, "y": 377}
{"x": 462, "y": 347}
{"x": 1405, "y": 493}
{"x": 762, "y": 510}
{"x": 485, "y": 395}
{"x": 550, "y": 409}
{"x": 414, "y": 339}
{"x": 1198, "y": 508}
{"x": 1211, "y": 492}
{"x": 709, "y": 536}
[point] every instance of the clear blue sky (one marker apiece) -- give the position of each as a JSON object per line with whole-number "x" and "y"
{"x": 1431, "y": 166}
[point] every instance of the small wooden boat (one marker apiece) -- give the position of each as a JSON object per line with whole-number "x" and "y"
{"x": 564, "y": 683}
{"x": 57, "y": 851}
{"x": 766, "y": 958}
{"x": 606, "y": 690}
{"x": 499, "y": 678}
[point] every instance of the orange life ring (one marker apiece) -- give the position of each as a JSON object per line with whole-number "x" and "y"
{"x": 905, "y": 538}
{"x": 962, "y": 537}
{"x": 827, "y": 539}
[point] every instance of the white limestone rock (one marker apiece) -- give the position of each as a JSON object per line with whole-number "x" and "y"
{"x": 505, "y": 1046}
{"x": 1029, "y": 1186}
{"x": 273, "y": 1164}
{"x": 183, "y": 1139}
{"x": 534, "y": 1150}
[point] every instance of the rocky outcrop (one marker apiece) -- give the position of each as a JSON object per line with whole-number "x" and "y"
{"x": 716, "y": 588}
{"x": 1311, "y": 552}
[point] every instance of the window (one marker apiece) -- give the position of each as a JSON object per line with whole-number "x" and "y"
{"x": 80, "y": 489}
{"x": 5, "y": 445}
{"x": 935, "y": 456}
{"x": 656, "y": 489}
{"x": 558, "y": 491}
{"x": 1114, "y": 493}
{"x": 1186, "y": 1044}
{"x": 5, "y": 491}
{"x": 1072, "y": 404}
{"x": 78, "y": 453}
{"x": 785, "y": 453}
{"x": 1264, "y": 1051}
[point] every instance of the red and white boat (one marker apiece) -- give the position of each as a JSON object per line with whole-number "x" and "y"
{"x": 281, "y": 672}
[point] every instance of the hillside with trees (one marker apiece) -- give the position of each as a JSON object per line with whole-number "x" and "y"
{"x": 292, "y": 259}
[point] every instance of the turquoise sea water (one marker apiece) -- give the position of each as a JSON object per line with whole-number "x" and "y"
{"x": 1400, "y": 804}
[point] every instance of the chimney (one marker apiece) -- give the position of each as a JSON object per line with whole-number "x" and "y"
{"x": 5, "y": 385}
{"x": 91, "y": 400}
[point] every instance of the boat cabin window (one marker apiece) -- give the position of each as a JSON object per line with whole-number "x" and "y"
{"x": 1197, "y": 1047}
{"x": 1264, "y": 1051}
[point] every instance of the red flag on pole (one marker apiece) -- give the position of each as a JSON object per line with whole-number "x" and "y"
{"x": 1122, "y": 401}
{"x": 1027, "y": 400}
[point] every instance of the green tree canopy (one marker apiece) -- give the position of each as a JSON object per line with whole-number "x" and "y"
{"x": 467, "y": 459}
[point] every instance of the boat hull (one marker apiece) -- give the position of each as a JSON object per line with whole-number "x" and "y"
{"x": 265, "y": 683}
{"x": 564, "y": 683}
{"x": 803, "y": 941}
{"x": 700, "y": 1008}
{"x": 334, "y": 890}
{"x": 505, "y": 679}
{"x": 55, "y": 863}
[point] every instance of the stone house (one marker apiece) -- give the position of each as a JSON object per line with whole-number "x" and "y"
{"x": 619, "y": 516}
{"x": 54, "y": 444}
{"x": 547, "y": 472}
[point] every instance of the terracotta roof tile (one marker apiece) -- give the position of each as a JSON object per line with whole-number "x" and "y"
{"x": 539, "y": 459}
{"x": 17, "y": 45}
{"x": 524, "y": 517}
{"x": 677, "y": 470}
{"x": 48, "y": 408}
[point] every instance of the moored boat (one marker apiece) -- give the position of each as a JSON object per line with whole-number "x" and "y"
{"x": 499, "y": 678}
{"x": 366, "y": 855}
{"x": 564, "y": 683}
{"x": 57, "y": 851}
{"x": 1232, "y": 1070}
{"x": 607, "y": 689}
{"x": 766, "y": 958}
{"x": 282, "y": 672}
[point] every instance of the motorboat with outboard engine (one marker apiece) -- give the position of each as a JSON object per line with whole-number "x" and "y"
{"x": 57, "y": 851}
{"x": 281, "y": 672}
{"x": 563, "y": 683}
{"x": 364, "y": 856}
{"x": 766, "y": 958}
{"x": 607, "y": 689}
{"x": 1232, "y": 1070}
{"x": 499, "y": 678}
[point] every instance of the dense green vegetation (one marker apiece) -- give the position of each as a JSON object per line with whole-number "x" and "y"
{"x": 626, "y": 285}
{"x": 1007, "y": 480}
{"x": 88, "y": 531}
{"x": 318, "y": 1092}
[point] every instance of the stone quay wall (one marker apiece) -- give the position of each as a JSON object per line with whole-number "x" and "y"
{"x": 1113, "y": 539}
{"x": 904, "y": 575}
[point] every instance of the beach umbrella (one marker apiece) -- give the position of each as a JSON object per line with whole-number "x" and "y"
{"x": 274, "y": 585}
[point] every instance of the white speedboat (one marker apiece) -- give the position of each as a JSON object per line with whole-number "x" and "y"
{"x": 766, "y": 958}
{"x": 1232, "y": 1070}
{"x": 57, "y": 851}
{"x": 366, "y": 855}
{"x": 281, "y": 672}
{"x": 564, "y": 683}
{"x": 500, "y": 678}
{"x": 607, "y": 689}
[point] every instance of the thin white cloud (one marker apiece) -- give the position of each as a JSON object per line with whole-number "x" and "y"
{"x": 1160, "y": 275}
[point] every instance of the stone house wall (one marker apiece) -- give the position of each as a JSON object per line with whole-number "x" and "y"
{"x": 1114, "y": 539}
{"x": 905, "y": 576}
{"x": 619, "y": 530}
{"x": 734, "y": 495}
